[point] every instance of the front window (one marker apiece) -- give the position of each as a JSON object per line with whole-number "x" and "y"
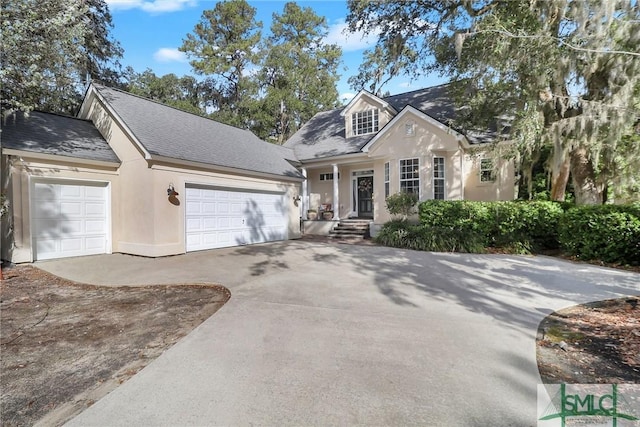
{"x": 410, "y": 176}
{"x": 386, "y": 180}
{"x": 327, "y": 176}
{"x": 438, "y": 178}
{"x": 364, "y": 122}
{"x": 486, "y": 170}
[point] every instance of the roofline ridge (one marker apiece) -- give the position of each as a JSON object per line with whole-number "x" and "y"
{"x": 172, "y": 107}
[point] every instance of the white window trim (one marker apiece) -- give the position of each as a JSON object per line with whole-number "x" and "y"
{"x": 387, "y": 179}
{"x": 443, "y": 178}
{"x": 375, "y": 121}
{"x": 492, "y": 174}
{"x": 409, "y": 129}
{"x": 328, "y": 176}
{"x": 400, "y": 180}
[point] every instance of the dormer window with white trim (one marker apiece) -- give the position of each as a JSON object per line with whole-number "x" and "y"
{"x": 364, "y": 122}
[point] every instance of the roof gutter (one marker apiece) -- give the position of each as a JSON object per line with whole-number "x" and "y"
{"x": 155, "y": 161}
{"x": 57, "y": 158}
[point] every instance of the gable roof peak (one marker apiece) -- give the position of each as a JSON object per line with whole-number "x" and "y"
{"x": 362, "y": 93}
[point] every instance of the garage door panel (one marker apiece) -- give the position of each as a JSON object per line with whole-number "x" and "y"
{"x": 239, "y": 217}
{"x": 95, "y": 227}
{"x": 69, "y": 219}
{"x": 95, "y": 209}
{"x": 70, "y": 209}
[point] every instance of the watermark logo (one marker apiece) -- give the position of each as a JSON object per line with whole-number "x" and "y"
{"x": 610, "y": 405}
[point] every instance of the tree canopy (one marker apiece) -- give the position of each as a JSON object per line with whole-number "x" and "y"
{"x": 50, "y": 48}
{"x": 270, "y": 85}
{"x": 566, "y": 74}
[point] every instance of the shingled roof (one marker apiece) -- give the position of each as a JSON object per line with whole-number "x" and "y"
{"x": 53, "y": 134}
{"x": 175, "y": 134}
{"x": 325, "y": 135}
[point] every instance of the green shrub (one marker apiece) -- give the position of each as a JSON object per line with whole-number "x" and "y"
{"x": 402, "y": 234}
{"x": 402, "y": 203}
{"x": 609, "y": 233}
{"x": 519, "y": 225}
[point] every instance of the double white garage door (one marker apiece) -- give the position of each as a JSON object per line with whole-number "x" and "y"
{"x": 218, "y": 217}
{"x": 70, "y": 219}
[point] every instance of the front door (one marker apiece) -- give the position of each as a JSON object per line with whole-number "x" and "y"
{"x": 365, "y": 196}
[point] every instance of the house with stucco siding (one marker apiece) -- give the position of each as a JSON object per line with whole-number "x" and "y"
{"x": 134, "y": 176}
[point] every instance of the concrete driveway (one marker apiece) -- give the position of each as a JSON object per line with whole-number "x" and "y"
{"x": 326, "y": 334}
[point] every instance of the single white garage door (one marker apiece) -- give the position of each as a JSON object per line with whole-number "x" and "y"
{"x": 218, "y": 217}
{"x": 69, "y": 219}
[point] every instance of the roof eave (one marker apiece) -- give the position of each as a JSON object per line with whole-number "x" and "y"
{"x": 58, "y": 158}
{"x": 155, "y": 159}
{"x": 92, "y": 90}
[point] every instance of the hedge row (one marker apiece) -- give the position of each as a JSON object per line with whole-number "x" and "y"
{"x": 528, "y": 224}
{"x": 610, "y": 233}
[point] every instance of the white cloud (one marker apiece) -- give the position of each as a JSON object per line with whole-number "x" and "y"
{"x": 348, "y": 41}
{"x": 346, "y": 97}
{"x": 154, "y": 6}
{"x": 404, "y": 84}
{"x": 169, "y": 54}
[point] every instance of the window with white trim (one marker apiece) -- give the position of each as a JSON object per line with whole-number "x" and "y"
{"x": 410, "y": 176}
{"x": 438, "y": 178}
{"x": 386, "y": 180}
{"x": 364, "y": 122}
{"x": 327, "y": 176}
{"x": 486, "y": 170}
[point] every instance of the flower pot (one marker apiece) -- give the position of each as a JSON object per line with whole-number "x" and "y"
{"x": 312, "y": 215}
{"x": 327, "y": 215}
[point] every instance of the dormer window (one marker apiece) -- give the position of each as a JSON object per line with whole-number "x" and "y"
{"x": 364, "y": 122}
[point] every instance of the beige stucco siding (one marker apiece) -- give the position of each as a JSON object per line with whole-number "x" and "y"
{"x": 24, "y": 172}
{"x": 503, "y": 188}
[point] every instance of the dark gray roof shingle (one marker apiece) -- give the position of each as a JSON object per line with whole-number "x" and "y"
{"x": 324, "y": 135}
{"x": 53, "y": 134}
{"x": 168, "y": 132}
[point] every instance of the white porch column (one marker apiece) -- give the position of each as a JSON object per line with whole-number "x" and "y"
{"x": 305, "y": 194}
{"x": 336, "y": 195}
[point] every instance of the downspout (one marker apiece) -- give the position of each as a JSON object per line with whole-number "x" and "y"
{"x": 305, "y": 194}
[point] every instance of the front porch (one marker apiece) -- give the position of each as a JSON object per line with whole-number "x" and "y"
{"x": 333, "y": 192}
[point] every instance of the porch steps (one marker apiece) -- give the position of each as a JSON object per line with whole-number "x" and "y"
{"x": 350, "y": 229}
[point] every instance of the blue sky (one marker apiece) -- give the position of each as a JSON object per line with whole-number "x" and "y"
{"x": 150, "y": 31}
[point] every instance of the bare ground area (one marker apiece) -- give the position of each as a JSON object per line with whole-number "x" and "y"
{"x": 64, "y": 345}
{"x": 595, "y": 343}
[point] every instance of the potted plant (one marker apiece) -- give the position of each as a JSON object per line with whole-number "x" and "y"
{"x": 327, "y": 215}
{"x": 312, "y": 214}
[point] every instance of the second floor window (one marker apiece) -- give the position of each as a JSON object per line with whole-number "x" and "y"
{"x": 364, "y": 122}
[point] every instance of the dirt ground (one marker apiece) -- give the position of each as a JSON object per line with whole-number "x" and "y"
{"x": 595, "y": 343}
{"x": 64, "y": 345}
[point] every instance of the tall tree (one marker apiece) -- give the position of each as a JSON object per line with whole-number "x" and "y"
{"x": 50, "y": 48}
{"x": 564, "y": 71}
{"x": 223, "y": 48}
{"x": 184, "y": 92}
{"x": 299, "y": 73}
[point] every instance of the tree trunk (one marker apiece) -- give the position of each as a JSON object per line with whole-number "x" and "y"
{"x": 559, "y": 180}
{"x": 584, "y": 178}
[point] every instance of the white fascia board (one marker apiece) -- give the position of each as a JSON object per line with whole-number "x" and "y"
{"x": 156, "y": 162}
{"x": 93, "y": 91}
{"x": 362, "y": 94}
{"x": 58, "y": 158}
{"x": 407, "y": 110}
{"x": 341, "y": 160}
